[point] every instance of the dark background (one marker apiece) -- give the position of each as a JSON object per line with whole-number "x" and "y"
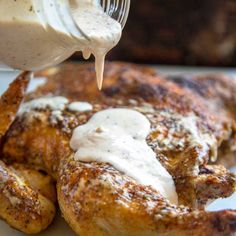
{"x": 185, "y": 32}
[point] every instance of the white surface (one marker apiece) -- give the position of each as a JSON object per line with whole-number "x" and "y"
{"x": 59, "y": 227}
{"x": 40, "y": 81}
{"x": 176, "y": 70}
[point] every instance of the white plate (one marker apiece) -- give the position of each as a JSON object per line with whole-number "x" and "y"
{"x": 59, "y": 227}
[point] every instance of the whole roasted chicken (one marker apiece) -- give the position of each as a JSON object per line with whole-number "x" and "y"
{"x": 192, "y": 132}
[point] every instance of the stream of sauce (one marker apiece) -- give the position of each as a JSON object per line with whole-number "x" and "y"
{"x": 103, "y": 31}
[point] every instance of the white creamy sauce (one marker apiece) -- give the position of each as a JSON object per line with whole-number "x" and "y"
{"x": 56, "y": 105}
{"x": 118, "y": 137}
{"x": 52, "y": 103}
{"x": 26, "y": 42}
{"x": 103, "y": 31}
{"x": 32, "y": 39}
{"x": 80, "y": 106}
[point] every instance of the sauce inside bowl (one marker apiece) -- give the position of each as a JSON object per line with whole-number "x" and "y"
{"x": 33, "y": 35}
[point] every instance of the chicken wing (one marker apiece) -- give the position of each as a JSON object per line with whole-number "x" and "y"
{"x": 26, "y": 196}
{"x": 10, "y": 101}
{"x": 21, "y": 203}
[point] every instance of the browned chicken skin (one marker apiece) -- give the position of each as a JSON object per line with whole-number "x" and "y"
{"x": 219, "y": 93}
{"x": 10, "y": 102}
{"x": 22, "y": 205}
{"x": 26, "y": 196}
{"x": 98, "y": 200}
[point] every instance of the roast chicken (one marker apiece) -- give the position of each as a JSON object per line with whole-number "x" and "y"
{"x": 192, "y": 133}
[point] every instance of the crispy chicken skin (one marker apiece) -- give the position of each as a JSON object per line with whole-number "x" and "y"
{"x": 26, "y": 196}
{"x": 219, "y": 92}
{"x": 21, "y": 204}
{"x": 95, "y": 198}
{"x": 11, "y": 100}
{"x": 98, "y": 200}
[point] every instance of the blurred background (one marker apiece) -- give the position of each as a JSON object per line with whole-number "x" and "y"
{"x": 186, "y": 32}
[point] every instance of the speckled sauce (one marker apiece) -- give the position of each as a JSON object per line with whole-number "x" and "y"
{"x": 26, "y": 41}
{"x": 33, "y": 37}
{"x": 103, "y": 31}
{"x": 57, "y": 106}
{"x": 118, "y": 137}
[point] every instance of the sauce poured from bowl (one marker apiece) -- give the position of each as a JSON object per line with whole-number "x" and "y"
{"x": 103, "y": 32}
{"x": 34, "y": 37}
